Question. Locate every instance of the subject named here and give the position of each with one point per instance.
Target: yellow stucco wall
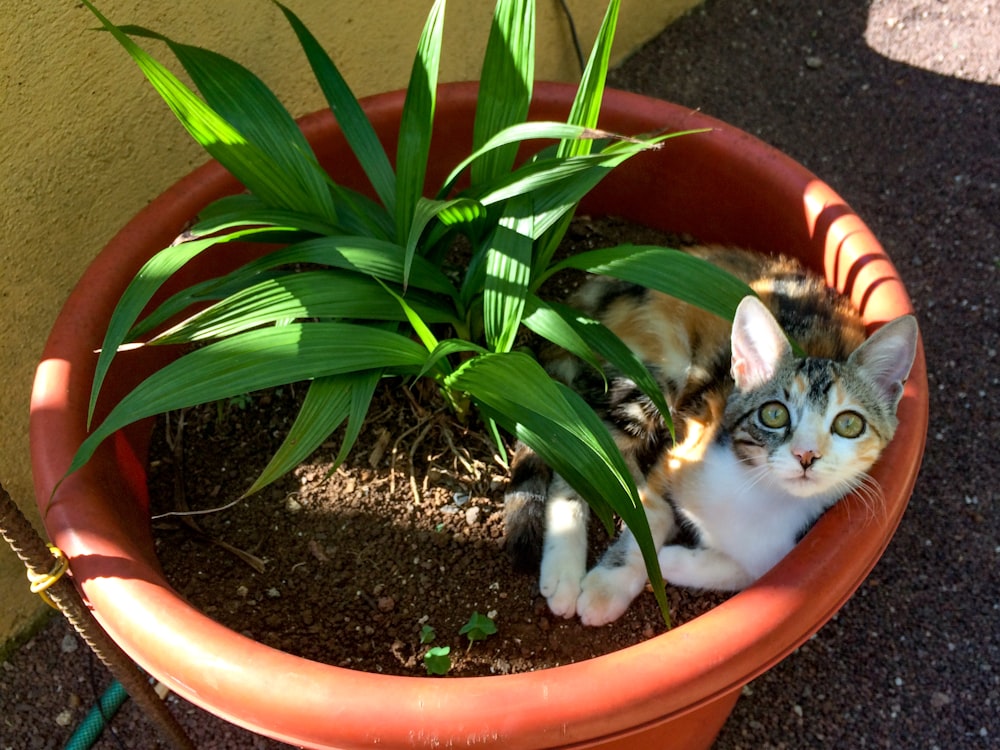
(85, 143)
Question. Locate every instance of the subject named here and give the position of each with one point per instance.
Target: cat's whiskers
(755, 475)
(865, 491)
(869, 492)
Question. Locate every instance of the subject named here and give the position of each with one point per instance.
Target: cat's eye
(849, 424)
(773, 414)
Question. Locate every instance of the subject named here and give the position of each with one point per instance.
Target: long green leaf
(203, 292)
(298, 296)
(417, 121)
(505, 83)
(247, 161)
(575, 440)
(590, 93)
(141, 289)
(255, 360)
(508, 274)
(573, 176)
(672, 272)
(243, 100)
(531, 179)
(559, 425)
(374, 257)
(512, 136)
(585, 111)
(354, 123)
(246, 210)
(541, 318)
(584, 336)
(328, 402)
(417, 323)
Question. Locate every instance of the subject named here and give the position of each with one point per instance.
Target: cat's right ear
(759, 345)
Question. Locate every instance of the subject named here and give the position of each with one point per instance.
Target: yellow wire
(40, 582)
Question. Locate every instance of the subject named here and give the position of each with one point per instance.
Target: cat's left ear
(758, 343)
(887, 356)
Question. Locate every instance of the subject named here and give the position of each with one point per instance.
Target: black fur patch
(613, 289)
(524, 509)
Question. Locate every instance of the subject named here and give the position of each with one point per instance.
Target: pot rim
(672, 673)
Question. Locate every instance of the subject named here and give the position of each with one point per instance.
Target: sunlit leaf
(514, 390)
(590, 93)
(245, 102)
(508, 274)
(247, 210)
(298, 296)
(141, 289)
(417, 121)
(354, 123)
(252, 361)
(554, 421)
(505, 83)
(329, 401)
(672, 272)
(588, 338)
(248, 162)
(559, 425)
(512, 136)
(377, 258)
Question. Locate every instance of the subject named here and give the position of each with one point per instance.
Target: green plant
(381, 296)
(427, 635)
(478, 628)
(437, 660)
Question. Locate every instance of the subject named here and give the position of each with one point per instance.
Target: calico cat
(765, 441)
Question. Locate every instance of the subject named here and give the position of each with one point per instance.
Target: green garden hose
(47, 579)
(93, 724)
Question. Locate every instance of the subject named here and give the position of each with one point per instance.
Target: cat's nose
(806, 457)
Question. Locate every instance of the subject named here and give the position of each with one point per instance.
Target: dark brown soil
(353, 563)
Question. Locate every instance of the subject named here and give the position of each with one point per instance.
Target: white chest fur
(744, 511)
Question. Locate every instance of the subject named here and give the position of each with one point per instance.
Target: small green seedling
(437, 661)
(427, 635)
(478, 628)
(223, 407)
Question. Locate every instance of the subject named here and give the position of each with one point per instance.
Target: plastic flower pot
(674, 690)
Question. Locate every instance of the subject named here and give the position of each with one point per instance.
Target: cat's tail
(524, 509)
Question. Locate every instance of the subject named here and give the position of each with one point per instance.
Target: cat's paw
(702, 569)
(560, 585)
(606, 594)
(675, 563)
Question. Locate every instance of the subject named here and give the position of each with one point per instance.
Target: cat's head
(816, 424)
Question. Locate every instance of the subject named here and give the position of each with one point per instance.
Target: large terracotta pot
(674, 690)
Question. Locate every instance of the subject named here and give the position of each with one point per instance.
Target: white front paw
(559, 583)
(607, 592)
(675, 562)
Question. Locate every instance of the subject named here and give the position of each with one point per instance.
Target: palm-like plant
(378, 301)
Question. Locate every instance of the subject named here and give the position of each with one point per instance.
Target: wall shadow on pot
(855, 262)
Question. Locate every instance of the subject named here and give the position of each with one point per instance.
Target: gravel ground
(895, 104)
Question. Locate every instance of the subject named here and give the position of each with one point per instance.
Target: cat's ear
(887, 356)
(759, 344)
